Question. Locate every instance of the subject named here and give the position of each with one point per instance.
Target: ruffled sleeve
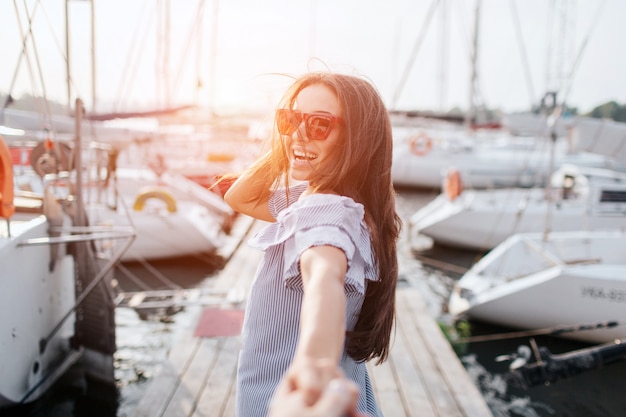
(320, 220)
(281, 198)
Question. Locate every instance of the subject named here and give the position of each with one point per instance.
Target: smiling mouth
(304, 156)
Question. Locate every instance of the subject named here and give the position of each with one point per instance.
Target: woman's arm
(322, 320)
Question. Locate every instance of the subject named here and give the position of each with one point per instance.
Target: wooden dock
(422, 377)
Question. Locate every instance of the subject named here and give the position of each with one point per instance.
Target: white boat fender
(149, 192)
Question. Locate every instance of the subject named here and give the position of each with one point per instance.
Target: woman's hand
(310, 376)
(338, 399)
(248, 193)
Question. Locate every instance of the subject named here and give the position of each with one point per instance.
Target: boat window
(613, 196)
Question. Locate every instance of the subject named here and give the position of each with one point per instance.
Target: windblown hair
(361, 170)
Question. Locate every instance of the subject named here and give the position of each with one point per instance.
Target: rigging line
(21, 55)
(570, 77)
(134, 278)
(475, 80)
(56, 41)
(47, 112)
(195, 28)
(523, 52)
(198, 85)
(126, 81)
(446, 266)
(157, 274)
(414, 52)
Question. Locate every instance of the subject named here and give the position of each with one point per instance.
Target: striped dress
(271, 325)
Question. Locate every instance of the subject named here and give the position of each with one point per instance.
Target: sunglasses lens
(287, 121)
(318, 127)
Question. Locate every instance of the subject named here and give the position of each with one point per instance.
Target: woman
(323, 299)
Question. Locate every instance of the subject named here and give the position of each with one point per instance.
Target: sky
(239, 55)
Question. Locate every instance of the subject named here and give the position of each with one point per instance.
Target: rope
(523, 53)
(25, 37)
(550, 331)
(414, 52)
(580, 53)
(21, 55)
(441, 264)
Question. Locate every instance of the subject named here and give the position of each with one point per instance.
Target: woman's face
(307, 156)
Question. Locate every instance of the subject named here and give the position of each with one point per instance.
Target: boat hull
(482, 219)
(520, 286)
(483, 160)
(37, 292)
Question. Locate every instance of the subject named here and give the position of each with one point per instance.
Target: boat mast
(443, 57)
(92, 17)
(68, 64)
(213, 59)
(68, 80)
(471, 111)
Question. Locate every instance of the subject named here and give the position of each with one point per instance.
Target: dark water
(143, 341)
(599, 392)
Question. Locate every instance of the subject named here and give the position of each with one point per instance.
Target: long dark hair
(361, 170)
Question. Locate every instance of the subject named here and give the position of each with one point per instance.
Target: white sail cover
(601, 136)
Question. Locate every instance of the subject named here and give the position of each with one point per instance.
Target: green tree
(610, 110)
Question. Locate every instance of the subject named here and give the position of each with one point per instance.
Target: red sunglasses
(317, 125)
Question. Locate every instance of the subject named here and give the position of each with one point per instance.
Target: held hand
(338, 399)
(310, 376)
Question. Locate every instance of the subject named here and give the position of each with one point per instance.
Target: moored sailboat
(538, 281)
(56, 298)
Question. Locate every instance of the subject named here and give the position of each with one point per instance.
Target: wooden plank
(442, 360)
(229, 411)
(219, 384)
(443, 403)
(411, 385)
(459, 381)
(388, 396)
(183, 402)
(161, 389)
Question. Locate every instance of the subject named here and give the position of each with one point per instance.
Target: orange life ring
(149, 192)
(220, 157)
(7, 208)
(453, 186)
(420, 144)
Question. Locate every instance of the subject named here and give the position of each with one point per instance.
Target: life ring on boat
(420, 144)
(7, 208)
(50, 157)
(149, 192)
(453, 186)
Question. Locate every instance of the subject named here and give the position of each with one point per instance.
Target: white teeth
(304, 155)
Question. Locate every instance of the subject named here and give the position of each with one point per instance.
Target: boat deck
(422, 377)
